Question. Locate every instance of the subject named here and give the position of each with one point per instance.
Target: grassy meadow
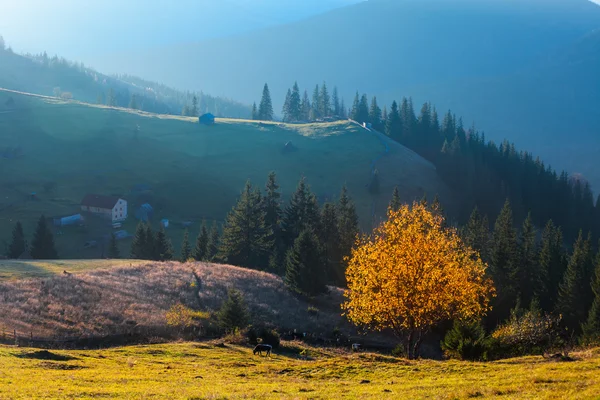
(217, 370)
(16, 269)
(186, 171)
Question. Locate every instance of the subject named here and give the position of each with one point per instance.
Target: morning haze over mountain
(281, 198)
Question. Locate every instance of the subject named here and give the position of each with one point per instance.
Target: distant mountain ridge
(508, 65)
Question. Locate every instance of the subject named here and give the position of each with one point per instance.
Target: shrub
(399, 351)
(312, 310)
(183, 317)
(527, 333)
(466, 341)
(233, 313)
(270, 336)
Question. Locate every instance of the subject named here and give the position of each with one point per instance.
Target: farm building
(207, 119)
(109, 207)
(68, 220)
(144, 213)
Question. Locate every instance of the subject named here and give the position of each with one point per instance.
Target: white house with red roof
(110, 207)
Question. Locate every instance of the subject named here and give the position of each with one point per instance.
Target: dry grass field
(216, 370)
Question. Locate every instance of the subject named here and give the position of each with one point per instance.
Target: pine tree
(113, 248)
(304, 266)
(195, 112)
(363, 109)
(272, 206)
(233, 314)
(476, 234)
(503, 256)
(553, 263)
(18, 244)
(201, 247)
(343, 112)
(265, 109)
(133, 102)
(375, 114)
(246, 239)
(138, 243)
(295, 106)
(573, 301)
(325, 104)
(305, 107)
(336, 103)
(163, 246)
(591, 328)
(112, 99)
(393, 125)
(213, 243)
(150, 250)
(348, 225)
(186, 250)
(355, 108)
(315, 111)
(101, 99)
(301, 213)
(42, 245)
(329, 237)
(286, 107)
(254, 114)
(395, 203)
(527, 274)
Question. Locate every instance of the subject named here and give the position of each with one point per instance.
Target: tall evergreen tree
(186, 250)
(355, 108)
(138, 243)
(133, 102)
(553, 263)
(201, 247)
(476, 234)
(112, 98)
(343, 112)
(163, 246)
(234, 312)
(42, 245)
(304, 266)
(395, 203)
(363, 109)
(573, 301)
(246, 239)
(315, 112)
(254, 114)
(272, 206)
(335, 99)
(214, 239)
(325, 106)
(329, 237)
(527, 274)
(503, 256)
(18, 244)
(265, 109)
(301, 213)
(113, 247)
(348, 225)
(591, 328)
(150, 250)
(375, 114)
(295, 104)
(393, 125)
(195, 112)
(305, 107)
(286, 107)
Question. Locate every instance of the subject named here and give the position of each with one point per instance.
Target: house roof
(99, 201)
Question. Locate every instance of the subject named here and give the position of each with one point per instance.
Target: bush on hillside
(263, 335)
(234, 312)
(466, 341)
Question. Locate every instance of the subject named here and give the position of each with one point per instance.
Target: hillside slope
(492, 62)
(186, 171)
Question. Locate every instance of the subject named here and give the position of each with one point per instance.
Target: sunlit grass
(14, 269)
(205, 370)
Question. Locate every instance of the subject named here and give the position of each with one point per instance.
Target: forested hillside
(54, 76)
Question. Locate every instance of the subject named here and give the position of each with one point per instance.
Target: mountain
(510, 66)
(62, 150)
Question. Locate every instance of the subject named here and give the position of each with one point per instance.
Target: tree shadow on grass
(45, 355)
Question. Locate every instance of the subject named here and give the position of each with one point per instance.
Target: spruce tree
(163, 246)
(553, 263)
(265, 109)
(286, 107)
(476, 234)
(301, 213)
(186, 250)
(393, 125)
(254, 114)
(295, 104)
(195, 112)
(213, 243)
(343, 112)
(591, 328)
(395, 203)
(112, 99)
(325, 102)
(355, 108)
(150, 250)
(42, 245)
(305, 107)
(138, 243)
(18, 244)
(329, 237)
(233, 314)
(272, 206)
(503, 256)
(133, 102)
(363, 109)
(348, 225)
(246, 240)
(375, 114)
(528, 275)
(113, 247)
(573, 301)
(304, 266)
(315, 111)
(336, 103)
(201, 247)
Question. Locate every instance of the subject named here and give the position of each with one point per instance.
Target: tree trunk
(409, 347)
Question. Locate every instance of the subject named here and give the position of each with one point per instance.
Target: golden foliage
(413, 273)
(184, 317)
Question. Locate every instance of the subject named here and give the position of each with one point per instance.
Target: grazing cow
(263, 347)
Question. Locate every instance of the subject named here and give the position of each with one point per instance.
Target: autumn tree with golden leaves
(413, 273)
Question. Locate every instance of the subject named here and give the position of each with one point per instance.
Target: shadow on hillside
(46, 355)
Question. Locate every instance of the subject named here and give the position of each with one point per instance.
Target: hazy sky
(78, 28)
